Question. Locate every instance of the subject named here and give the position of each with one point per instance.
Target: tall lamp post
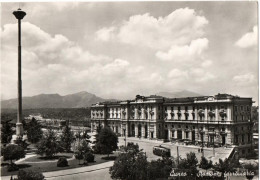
(19, 14)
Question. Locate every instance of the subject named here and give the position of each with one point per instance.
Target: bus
(161, 151)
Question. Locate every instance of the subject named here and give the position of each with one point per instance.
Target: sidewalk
(56, 174)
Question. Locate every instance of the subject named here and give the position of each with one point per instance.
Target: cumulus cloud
(178, 28)
(52, 62)
(186, 52)
(105, 34)
(249, 39)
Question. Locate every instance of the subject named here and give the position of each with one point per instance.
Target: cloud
(249, 39)
(178, 28)
(105, 34)
(244, 79)
(176, 73)
(186, 52)
(52, 63)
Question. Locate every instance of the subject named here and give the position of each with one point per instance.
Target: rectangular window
(236, 139)
(247, 108)
(172, 108)
(243, 140)
(173, 134)
(241, 108)
(235, 108)
(242, 117)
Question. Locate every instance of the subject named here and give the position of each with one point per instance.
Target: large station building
(223, 119)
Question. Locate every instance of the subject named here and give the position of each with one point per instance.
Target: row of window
(243, 138)
(211, 108)
(242, 108)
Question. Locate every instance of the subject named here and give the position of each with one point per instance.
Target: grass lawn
(37, 163)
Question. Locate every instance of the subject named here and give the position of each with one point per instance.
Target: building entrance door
(133, 130)
(165, 134)
(151, 135)
(146, 131)
(193, 136)
(139, 130)
(179, 134)
(223, 140)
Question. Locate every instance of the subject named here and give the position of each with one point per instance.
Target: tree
(6, 132)
(81, 150)
(251, 169)
(205, 164)
(29, 175)
(188, 165)
(130, 165)
(66, 138)
(106, 141)
(34, 131)
(49, 144)
(13, 152)
(224, 166)
(161, 168)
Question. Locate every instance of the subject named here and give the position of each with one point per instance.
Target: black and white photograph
(129, 90)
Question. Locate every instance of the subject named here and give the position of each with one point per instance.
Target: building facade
(222, 120)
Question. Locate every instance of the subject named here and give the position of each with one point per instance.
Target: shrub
(62, 162)
(13, 152)
(89, 157)
(12, 167)
(29, 175)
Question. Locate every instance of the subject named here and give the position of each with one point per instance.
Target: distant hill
(178, 94)
(77, 100)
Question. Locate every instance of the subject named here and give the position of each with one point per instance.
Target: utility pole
(19, 14)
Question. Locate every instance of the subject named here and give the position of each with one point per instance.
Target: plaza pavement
(101, 171)
(147, 145)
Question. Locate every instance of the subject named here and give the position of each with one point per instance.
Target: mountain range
(77, 100)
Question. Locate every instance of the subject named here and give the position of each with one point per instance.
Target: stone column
(228, 113)
(206, 113)
(136, 130)
(196, 113)
(155, 113)
(169, 134)
(155, 131)
(127, 130)
(143, 131)
(121, 130)
(216, 113)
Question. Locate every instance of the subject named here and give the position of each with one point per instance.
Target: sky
(120, 49)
